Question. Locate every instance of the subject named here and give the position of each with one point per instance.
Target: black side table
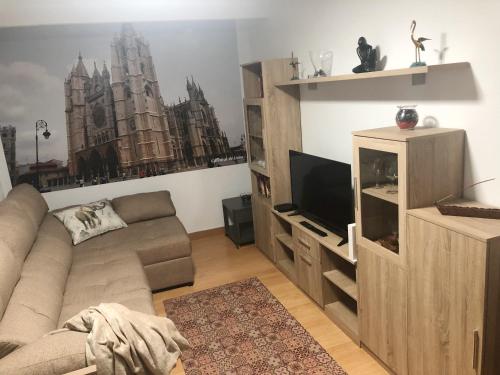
(238, 220)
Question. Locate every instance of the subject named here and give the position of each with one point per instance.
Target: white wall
(461, 99)
(196, 194)
(5, 184)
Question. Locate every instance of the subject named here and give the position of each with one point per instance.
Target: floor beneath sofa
(219, 262)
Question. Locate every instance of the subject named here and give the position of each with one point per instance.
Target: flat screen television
(322, 191)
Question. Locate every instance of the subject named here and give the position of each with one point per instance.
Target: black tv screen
(322, 191)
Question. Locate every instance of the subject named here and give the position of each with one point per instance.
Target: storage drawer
(309, 276)
(305, 244)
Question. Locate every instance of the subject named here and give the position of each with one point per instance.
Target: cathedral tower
(74, 92)
(142, 125)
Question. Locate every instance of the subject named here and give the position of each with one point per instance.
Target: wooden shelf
(257, 168)
(256, 136)
(382, 194)
(343, 282)
(287, 266)
(285, 239)
(330, 242)
(344, 317)
(378, 74)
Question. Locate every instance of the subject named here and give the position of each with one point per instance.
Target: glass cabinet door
(256, 139)
(380, 194)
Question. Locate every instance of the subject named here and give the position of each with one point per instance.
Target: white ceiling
(53, 12)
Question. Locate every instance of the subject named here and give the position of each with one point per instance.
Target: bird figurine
(419, 45)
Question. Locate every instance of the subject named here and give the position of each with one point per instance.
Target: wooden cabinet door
(261, 226)
(382, 308)
(309, 276)
(446, 286)
(308, 264)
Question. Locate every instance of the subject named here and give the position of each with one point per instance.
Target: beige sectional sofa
(44, 279)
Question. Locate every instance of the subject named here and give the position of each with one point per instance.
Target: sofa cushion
(52, 227)
(57, 353)
(154, 241)
(144, 206)
(89, 220)
(17, 230)
(35, 304)
(109, 275)
(10, 272)
(28, 199)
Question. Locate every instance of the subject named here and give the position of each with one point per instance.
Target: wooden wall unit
(272, 118)
(429, 166)
(425, 304)
(453, 294)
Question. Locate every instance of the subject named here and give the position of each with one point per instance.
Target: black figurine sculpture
(368, 56)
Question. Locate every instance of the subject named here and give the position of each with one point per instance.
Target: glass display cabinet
(257, 146)
(380, 179)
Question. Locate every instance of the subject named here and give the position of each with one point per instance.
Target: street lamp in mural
(40, 125)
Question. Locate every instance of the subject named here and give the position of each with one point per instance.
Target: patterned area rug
(242, 329)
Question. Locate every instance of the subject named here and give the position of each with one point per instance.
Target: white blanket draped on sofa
(122, 342)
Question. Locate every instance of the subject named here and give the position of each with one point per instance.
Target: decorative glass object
(322, 62)
(407, 116)
(377, 166)
(391, 173)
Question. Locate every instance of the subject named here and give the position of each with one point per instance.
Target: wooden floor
(218, 262)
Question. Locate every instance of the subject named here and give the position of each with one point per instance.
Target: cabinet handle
(308, 261)
(304, 243)
(355, 193)
(475, 358)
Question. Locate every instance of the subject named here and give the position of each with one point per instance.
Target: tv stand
(312, 228)
(319, 264)
(295, 213)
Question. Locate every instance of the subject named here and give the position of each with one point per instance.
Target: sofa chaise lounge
(45, 280)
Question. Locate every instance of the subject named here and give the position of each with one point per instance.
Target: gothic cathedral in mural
(118, 125)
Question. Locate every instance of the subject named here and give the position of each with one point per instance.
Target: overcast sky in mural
(34, 61)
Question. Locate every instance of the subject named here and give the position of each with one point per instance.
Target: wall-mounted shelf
(379, 74)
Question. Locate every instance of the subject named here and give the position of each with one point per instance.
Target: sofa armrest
(91, 370)
(56, 353)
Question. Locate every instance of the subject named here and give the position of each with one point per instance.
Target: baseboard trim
(206, 233)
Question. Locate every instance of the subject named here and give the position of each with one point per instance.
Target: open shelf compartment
(340, 292)
(344, 316)
(252, 80)
(343, 282)
(261, 185)
(284, 249)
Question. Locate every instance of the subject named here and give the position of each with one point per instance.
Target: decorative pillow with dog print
(89, 220)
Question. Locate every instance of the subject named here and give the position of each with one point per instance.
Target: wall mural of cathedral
(118, 125)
